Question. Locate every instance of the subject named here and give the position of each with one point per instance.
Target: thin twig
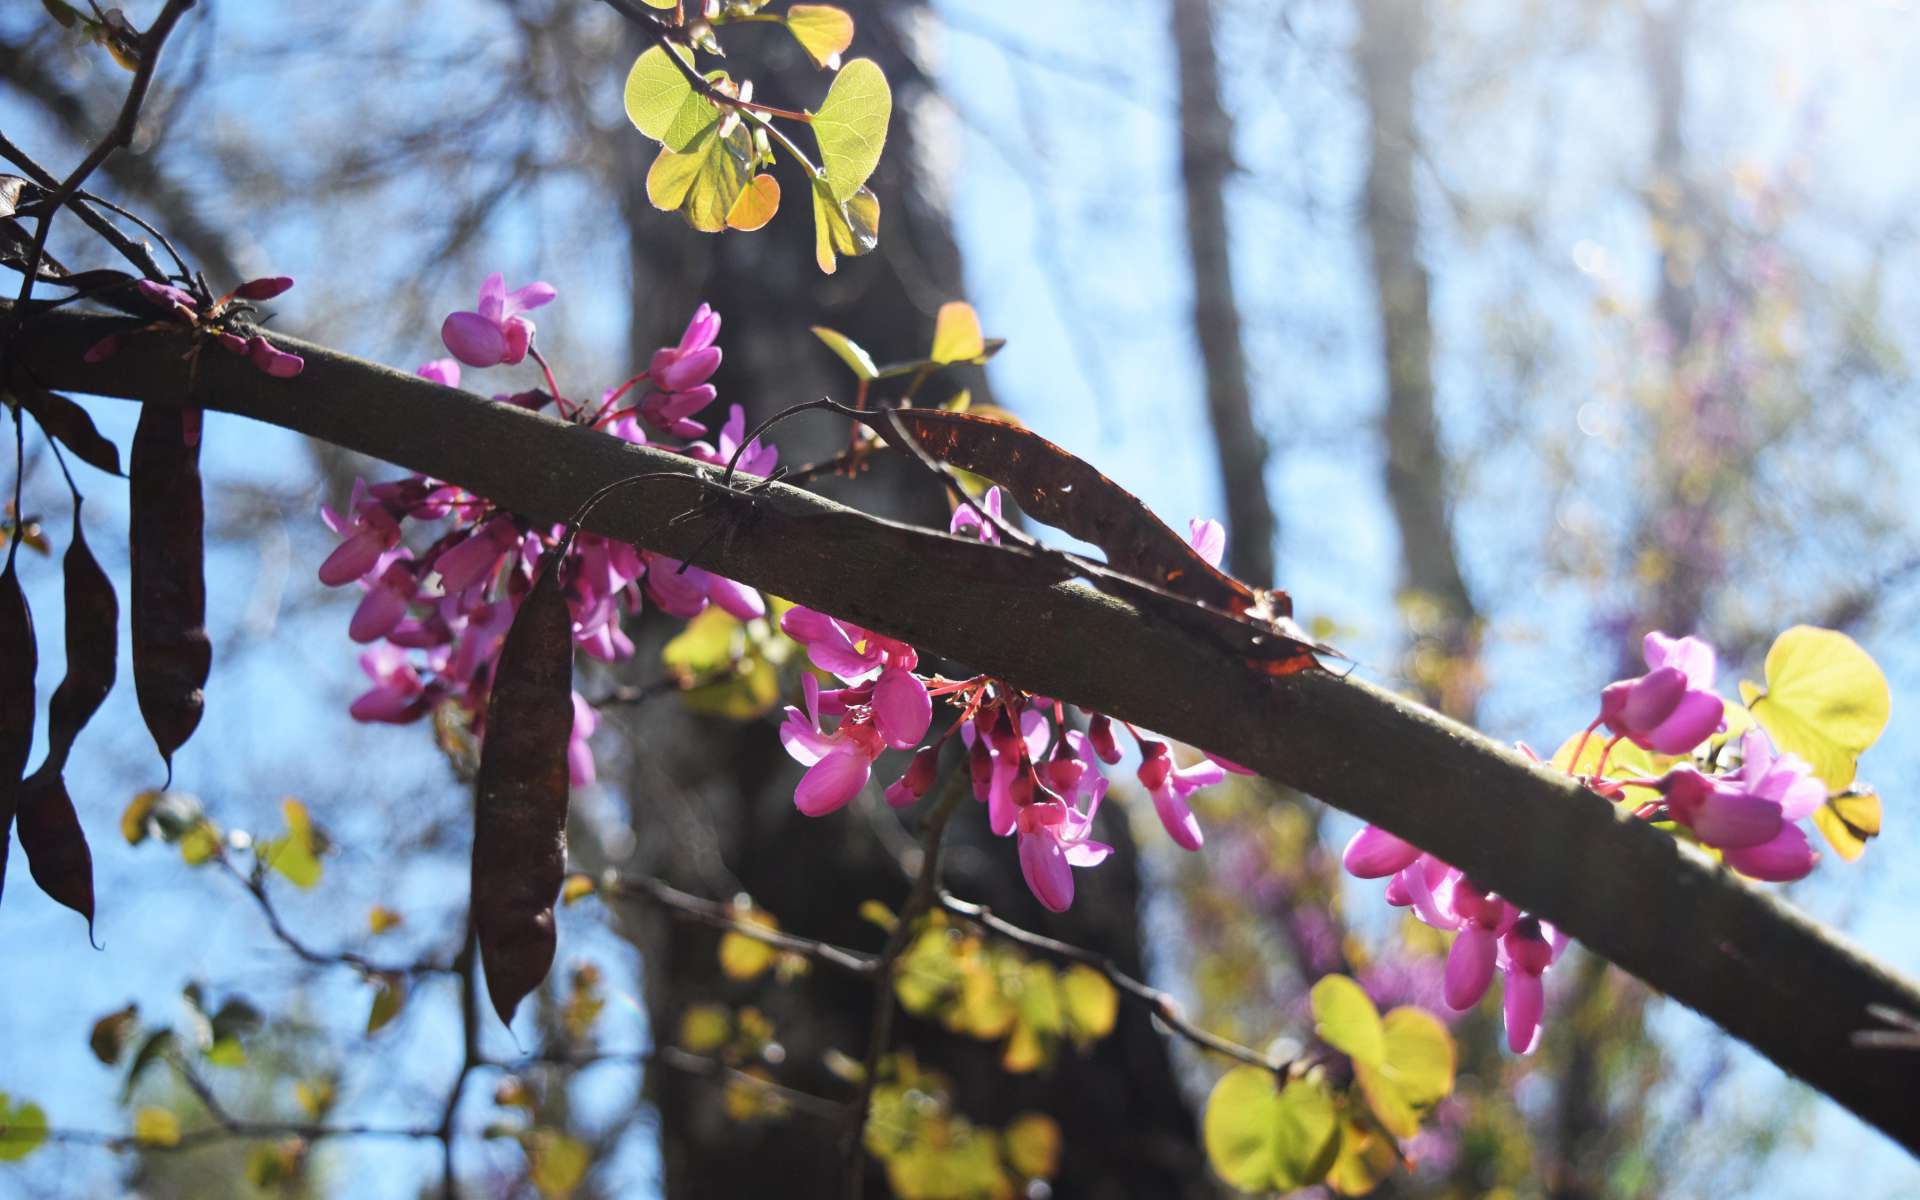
(1158, 1002)
(257, 888)
(926, 893)
(726, 916)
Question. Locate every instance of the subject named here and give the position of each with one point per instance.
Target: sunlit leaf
(577, 888)
(133, 819)
(851, 228)
(756, 204)
(227, 1052)
(1826, 700)
(1389, 1104)
(381, 919)
(1419, 1055)
(822, 30)
(199, 844)
(23, 1126)
(297, 855)
(1848, 820)
(705, 179)
(850, 353)
(154, 1126)
(956, 334)
(314, 1096)
(1363, 1160)
(851, 126)
(1033, 1145)
(1241, 1128)
(661, 102)
(1347, 1020)
(1306, 1137)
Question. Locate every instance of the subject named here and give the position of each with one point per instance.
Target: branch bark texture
(1768, 974)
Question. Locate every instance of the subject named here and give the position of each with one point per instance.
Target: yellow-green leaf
(743, 957)
(1363, 1160)
(851, 126)
(1241, 1128)
(381, 919)
(296, 855)
(1848, 820)
(200, 844)
(822, 30)
(1033, 1145)
(1419, 1055)
(133, 820)
(661, 102)
(750, 690)
(389, 995)
(577, 888)
(757, 203)
(705, 179)
(556, 1163)
(1307, 1134)
(848, 351)
(314, 1096)
(227, 1052)
(1346, 1020)
(1389, 1104)
(956, 334)
(1091, 1003)
(1825, 700)
(156, 1127)
(705, 1028)
(23, 1126)
(851, 228)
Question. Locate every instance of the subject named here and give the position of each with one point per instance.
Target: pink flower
(1375, 854)
(494, 332)
(680, 374)
(756, 459)
(854, 654)
(1672, 708)
(369, 532)
(1527, 949)
(1170, 788)
(1052, 837)
(579, 754)
(968, 519)
(1208, 538)
(443, 371)
(838, 763)
(398, 694)
(264, 288)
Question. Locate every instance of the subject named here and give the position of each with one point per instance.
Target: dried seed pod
(19, 660)
(171, 653)
(61, 418)
(56, 847)
(520, 795)
(93, 622)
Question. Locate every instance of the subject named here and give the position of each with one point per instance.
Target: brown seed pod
(93, 623)
(62, 418)
(56, 847)
(171, 653)
(520, 795)
(19, 660)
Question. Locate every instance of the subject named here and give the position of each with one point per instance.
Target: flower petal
(1469, 967)
(1044, 865)
(832, 781)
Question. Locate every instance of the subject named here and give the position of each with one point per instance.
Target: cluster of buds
(1041, 780)
(435, 614)
(183, 310)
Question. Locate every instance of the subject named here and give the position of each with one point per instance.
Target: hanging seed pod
(93, 623)
(56, 847)
(19, 659)
(520, 795)
(61, 418)
(171, 653)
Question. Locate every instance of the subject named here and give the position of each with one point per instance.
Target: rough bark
(1206, 163)
(1768, 974)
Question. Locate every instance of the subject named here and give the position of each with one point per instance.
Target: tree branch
(1771, 976)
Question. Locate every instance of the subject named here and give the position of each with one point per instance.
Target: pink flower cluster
(435, 615)
(1041, 781)
(1748, 814)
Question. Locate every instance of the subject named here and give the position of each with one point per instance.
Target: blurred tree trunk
(712, 802)
(1206, 162)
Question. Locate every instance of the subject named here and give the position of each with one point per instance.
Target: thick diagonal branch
(1794, 990)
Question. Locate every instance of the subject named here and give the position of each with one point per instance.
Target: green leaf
(710, 641)
(851, 126)
(1826, 701)
(850, 353)
(852, 228)
(1307, 1134)
(661, 102)
(1389, 1104)
(23, 1126)
(1092, 1004)
(743, 957)
(705, 180)
(956, 334)
(705, 1028)
(1346, 1020)
(1241, 1128)
(822, 30)
(227, 1052)
(1419, 1056)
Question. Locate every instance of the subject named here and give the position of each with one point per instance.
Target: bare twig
(257, 888)
(725, 916)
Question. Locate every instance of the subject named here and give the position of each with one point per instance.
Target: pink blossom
(369, 531)
(494, 332)
(1208, 539)
(680, 374)
(579, 754)
(398, 694)
(838, 763)
(969, 519)
(443, 371)
(1052, 839)
(1170, 787)
(1672, 708)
